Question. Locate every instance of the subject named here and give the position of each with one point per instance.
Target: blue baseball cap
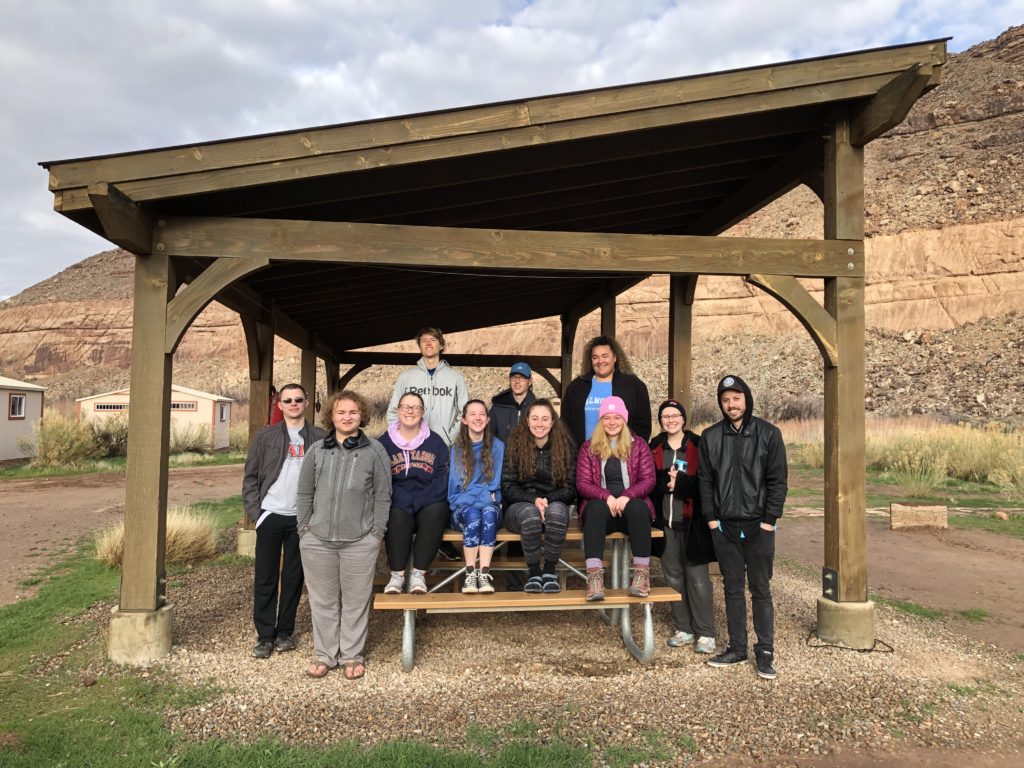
(521, 369)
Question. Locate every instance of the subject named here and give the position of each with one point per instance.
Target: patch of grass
(117, 464)
(522, 729)
(908, 607)
(1014, 526)
(656, 745)
(686, 742)
(479, 737)
(977, 615)
(191, 536)
(622, 756)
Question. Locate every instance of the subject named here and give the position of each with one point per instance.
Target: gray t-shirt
(281, 498)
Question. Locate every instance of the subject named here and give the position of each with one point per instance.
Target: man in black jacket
(743, 482)
(507, 406)
(269, 490)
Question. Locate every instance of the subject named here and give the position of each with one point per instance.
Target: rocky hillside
(945, 252)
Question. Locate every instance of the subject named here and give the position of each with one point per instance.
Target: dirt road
(43, 518)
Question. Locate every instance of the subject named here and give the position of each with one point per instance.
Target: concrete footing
(247, 542)
(139, 638)
(851, 625)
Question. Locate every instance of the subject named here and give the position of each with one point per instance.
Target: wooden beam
(307, 378)
(600, 296)
(680, 338)
(124, 222)
(193, 298)
(467, 361)
(350, 374)
(143, 583)
(452, 248)
(331, 374)
(812, 316)
(890, 105)
(259, 343)
(608, 315)
(569, 324)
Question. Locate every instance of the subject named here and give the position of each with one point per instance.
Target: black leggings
(428, 524)
(598, 522)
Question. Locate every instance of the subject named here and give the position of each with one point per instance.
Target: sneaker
(640, 585)
(534, 584)
(551, 583)
(705, 645)
(765, 667)
(680, 639)
(263, 650)
(397, 583)
(284, 642)
(595, 584)
(418, 583)
(727, 658)
(485, 581)
(472, 583)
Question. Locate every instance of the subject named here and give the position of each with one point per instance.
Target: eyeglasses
(296, 400)
(410, 408)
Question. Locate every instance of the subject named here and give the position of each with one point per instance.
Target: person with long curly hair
(538, 484)
(474, 494)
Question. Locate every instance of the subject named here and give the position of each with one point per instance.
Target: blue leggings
(479, 525)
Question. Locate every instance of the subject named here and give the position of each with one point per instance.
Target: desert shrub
(191, 536)
(111, 435)
(190, 438)
(58, 441)
(238, 437)
(703, 411)
(811, 454)
(920, 469)
(797, 408)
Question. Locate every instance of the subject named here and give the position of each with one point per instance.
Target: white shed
(23, 407)
(189, 408)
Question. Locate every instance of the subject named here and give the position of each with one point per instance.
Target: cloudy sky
(89, 77)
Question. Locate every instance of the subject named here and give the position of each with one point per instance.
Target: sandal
(354, 670)
(317, 669)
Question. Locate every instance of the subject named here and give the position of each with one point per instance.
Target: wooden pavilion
(502, 212)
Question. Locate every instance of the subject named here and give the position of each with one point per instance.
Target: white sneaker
(418, 583)
(705, 645)
(485, 582)
(680, 639)
(396, 585)
(472, 584)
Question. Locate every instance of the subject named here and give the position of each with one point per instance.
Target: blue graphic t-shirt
(599, 390)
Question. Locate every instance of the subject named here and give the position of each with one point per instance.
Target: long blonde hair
(601, 446)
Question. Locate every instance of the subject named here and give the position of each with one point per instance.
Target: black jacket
(515, 488)
(699, 547)
(629, 387)
(505, 412)
(743, 474)
(266, 456)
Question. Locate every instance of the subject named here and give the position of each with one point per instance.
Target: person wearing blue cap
(508, 406)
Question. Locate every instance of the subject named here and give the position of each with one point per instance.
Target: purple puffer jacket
(640, 467)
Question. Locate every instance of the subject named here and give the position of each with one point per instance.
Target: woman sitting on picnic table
(474, 494)
(538, 483)
(340, 525)
(614, 477)
(419, 494)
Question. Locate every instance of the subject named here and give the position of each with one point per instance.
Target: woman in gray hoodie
(344, 498)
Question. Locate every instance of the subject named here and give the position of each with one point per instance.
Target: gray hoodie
(444, 395)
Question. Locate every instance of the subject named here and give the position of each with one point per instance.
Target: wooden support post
(331, 374)
(307, 375)
(680, 338)
(845, 575)
(608, 316)
(145, 508)
(259, 342)
(569, 323)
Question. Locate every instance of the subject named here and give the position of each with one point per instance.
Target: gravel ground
(566, 676)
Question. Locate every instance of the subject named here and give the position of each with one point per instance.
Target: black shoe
(513, 581)
(284, 643)
(727, 658)
(534, 584)
(551, 583)
(263, 650)
(448, 551)
(765, 667)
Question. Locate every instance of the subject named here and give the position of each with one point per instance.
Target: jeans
(273, 617)
(747, 559)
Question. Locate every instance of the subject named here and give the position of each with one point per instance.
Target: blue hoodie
(477, 492)
(425, 481)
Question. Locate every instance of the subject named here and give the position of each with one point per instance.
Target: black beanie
(670, 403)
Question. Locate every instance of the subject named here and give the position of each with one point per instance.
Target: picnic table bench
(615, 608)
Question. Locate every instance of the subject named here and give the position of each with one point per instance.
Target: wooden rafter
(812, 316)
(124, 221)
(890, 105)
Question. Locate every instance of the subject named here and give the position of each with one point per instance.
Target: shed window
(16, 407)
(223, 412)
(110, 406)
(190, 406)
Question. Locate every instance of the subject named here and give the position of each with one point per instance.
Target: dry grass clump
(111, 435)
(191, 536)
(190, 438)
(58, 441)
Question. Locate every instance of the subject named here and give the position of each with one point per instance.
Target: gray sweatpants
(695, 612)
(339, 579)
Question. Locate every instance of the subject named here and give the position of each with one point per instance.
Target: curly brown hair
(327, 412)
(522, 450)
(621, 360)
(464, 444)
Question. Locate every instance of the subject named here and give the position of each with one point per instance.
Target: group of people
(324, 500)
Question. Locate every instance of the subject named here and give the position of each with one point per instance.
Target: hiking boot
(595, 584)
(551, 583)
(264, 649)
(534, 584)
(284, 642)
(727, 658)
(765, 665)
(679, 639)
(485, 582)
(397, 583)
(705, 645)
(640, 585)
(418, 583)
(472, 583)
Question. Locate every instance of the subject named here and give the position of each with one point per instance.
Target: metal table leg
(409, 641)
